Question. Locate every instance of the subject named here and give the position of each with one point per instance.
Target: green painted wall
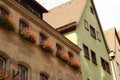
(82, 36)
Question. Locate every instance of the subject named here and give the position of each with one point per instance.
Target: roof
(39, 6)
(110, 36)
(66, 13)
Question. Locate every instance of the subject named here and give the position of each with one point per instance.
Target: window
(70, 55)
(93, 55)
(98, 36)
(92, 32)
(86, 25)
(118, 67)
(86, 51)
(92, 9)
(105, 65)
(23, 72)
(42, 37)
(43, 77)
(2, 63)
(22, 24)
(58, 47)
(3, 12)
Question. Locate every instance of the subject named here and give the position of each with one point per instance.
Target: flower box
(7, 23)
(75, 64)
(4, 75)
(46, 45)
(63, 56)
(27, 34)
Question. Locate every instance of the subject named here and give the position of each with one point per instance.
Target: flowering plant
(28, 34)
(6, 22)
(4, 75)
(63, 55)
(75, 64)
(46, 45)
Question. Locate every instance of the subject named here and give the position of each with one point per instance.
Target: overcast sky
(108, 11)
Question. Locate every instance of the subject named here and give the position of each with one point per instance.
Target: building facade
(113, 41)
(30, 49)
(83, 28)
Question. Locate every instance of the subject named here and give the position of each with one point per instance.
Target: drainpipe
(112, 56)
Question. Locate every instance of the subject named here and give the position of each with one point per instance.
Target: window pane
(2, 63)
(42, 37)
(58, 47)
(86, 25)
(92, 32)
(86, 52)
(22, 24)
(23, 72)
(105, 65)
(43, 77)
(93, 57)
(70, 55)
(3, 12)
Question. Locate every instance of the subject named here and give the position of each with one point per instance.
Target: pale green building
(78, 21)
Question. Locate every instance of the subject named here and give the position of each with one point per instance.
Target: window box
(46, 45)
(75, 64)
(4, 75)
(7, 23)
(63, 55)
(27, 34)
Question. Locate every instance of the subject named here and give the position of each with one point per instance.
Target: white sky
(108, 11)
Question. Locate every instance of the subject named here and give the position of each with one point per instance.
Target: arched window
(2, 63)
(43, 77)
(3, 12)
(22, 24)
(23, 71)
(70, 55)
(42, 37)
(58, 47)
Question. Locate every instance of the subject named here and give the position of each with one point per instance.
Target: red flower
(75, 64)
(46, 45)
(28, 34)
(63, 55)
(5, 75)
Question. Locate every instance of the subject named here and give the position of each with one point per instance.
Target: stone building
(30, 49)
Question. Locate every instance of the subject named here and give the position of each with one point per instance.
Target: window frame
(86, 25)
(105, 65)
(86, 51)
(70, 55)
(23, 24)
(92, 10)
(92, 32)
(42, 37)
(93, 56)
(20, 69)
(3, 12)
(43, 76)
(98, 36)
(3, 60)
(59, 47)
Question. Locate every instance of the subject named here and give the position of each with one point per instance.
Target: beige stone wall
(20, 51)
